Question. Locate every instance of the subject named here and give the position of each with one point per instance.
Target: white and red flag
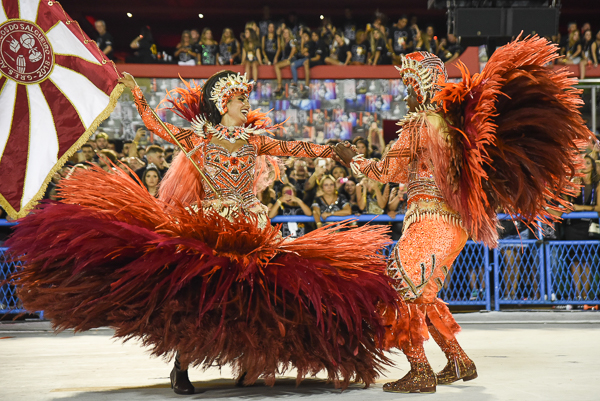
(56, 87)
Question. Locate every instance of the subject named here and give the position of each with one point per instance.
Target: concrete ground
(519, 356)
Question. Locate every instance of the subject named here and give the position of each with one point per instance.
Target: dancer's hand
(345, 153)
(128, 80)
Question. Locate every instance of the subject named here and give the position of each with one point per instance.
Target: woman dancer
(455, 151)
(200, 271)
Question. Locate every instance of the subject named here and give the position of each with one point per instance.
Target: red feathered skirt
(217, 292)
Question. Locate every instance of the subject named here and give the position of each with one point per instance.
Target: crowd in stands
(289, 42)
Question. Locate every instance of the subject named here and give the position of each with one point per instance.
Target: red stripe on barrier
(67, 121)
(14, 158)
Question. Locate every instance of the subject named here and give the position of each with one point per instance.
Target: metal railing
(522, 272)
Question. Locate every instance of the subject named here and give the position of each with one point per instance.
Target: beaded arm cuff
(392, 168)
(184, 136)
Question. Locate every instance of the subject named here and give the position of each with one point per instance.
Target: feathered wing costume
(198, 272)
(507, 138)
(515, 137)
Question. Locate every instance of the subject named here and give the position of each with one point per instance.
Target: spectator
(449, 49)
(229, 48)
(270, 46)
(586, 52)
(141, 151)
(127, 144)
(370, 198)
(348, 190)
(101, 141)
(288, 50)
(360, 49)
(327, 31)
(427, 41)
(104, 39)
(263, 25)
(572, 50)
(363, 147)
(339, 53)
(350, 27)
(184, 52)
(317, 54)
(311, 185)
(379, 51)
(290, 205)
(151, 178)
(194, 36)
(299, 176)
(400, 40)
(145, 49)
(251, 53)
(155, 155)
(579, 229)
(595, 50)
(330, 203)
(306, 49)
(107, 159)
(209, 48)
(87, 154)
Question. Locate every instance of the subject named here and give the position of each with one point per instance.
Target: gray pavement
(519, 356)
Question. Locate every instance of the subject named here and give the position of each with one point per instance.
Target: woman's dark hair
(343, 190)
(595, 178)
(360, 139)
(150, 168)
(208, 106)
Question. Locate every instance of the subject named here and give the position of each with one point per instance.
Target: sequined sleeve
(184, 136)
(272, 147)
(392, 168)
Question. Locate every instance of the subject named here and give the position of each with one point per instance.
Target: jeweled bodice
(231, 174)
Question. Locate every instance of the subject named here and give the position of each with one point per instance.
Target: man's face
(100, 27)
(101, 143)
(402, 23)
(88, 153)
(157, 158)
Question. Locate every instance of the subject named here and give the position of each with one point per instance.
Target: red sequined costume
(456, 155)
(215, 283)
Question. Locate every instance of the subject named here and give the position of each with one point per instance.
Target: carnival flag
(56, 87)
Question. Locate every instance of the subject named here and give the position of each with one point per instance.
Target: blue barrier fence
(523, 272)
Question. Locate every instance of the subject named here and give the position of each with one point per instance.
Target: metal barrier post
(496, 281)
(548, 268)
(488, 294)
(542, 271)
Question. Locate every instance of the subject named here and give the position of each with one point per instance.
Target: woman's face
(151, 179)
(247, 33)
(208, 35)
(185, 38)
(411, 99)
(328, 186)
(587, 35)
(575, 36)
(362, 148)
(237, 110)
(315, 37)
(429, 31)
(377, 34)
(350, 187)
(338, 172)
(227, 33)
(587, 165)
(271, 28)
(286, 34)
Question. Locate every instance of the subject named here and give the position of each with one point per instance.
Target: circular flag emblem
(25, 52)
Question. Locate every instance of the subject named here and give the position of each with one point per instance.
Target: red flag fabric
(56, 87)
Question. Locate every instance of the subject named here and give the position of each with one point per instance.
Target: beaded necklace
(230, 134)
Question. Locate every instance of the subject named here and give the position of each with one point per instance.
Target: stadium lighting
(129, 15)
(322, 17)
(201, 15)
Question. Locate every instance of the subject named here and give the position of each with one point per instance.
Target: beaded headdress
(425, 72)
(228, 87)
